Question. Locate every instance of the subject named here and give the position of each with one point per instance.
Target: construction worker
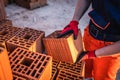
(101, 37)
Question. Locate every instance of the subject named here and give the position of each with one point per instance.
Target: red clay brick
(77, 68)
(29, 39)
(31, 65)
(54, 73)
(66, 75)
(5, 22)
(55, 63)
(63, 49)
(31, 4)
(5, 69)
(16, 77)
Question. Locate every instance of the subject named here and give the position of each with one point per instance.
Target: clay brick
(5, 22)
(2, 10)
(16, 77)
(55, 63)
(31, 4)
(54, 73)
(66, 75)
(5, 69)
(31, 65)
(77, 68)
(63, 49)
(29, 39)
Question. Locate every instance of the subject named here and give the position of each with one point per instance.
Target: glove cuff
(74, 22)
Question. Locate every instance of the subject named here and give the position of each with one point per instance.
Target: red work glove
(72, 27)
(90, 54)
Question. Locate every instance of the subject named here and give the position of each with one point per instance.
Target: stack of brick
(63, 49)
(67, 71)
(2, 10)
(30, 65)
(28, 39)
(7, 32)
(31, 4)
(5, 22)
(5, 69)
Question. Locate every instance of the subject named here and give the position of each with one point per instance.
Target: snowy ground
(56, 15)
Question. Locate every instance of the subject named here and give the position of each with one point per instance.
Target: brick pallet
(5, 69)
(31, 65)
(2, 10)
(28, 38)
(31, 4)
(63, 49)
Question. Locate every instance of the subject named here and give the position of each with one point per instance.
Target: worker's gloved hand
(72, 27)
(86, 55)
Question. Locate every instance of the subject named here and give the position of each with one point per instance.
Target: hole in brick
(33, 73)
(27, 36)
(16, 61)
(4, 33)
(39, 57)
(25, 69)
(47, 58)
(28, 72)
(27, 62)
(37, 75)
(38, 65)
(36, 61)
(74, 76)
(44, 63)
(32, 67)
(41, 69)
(63, 75)
(19, 70)
(71, 78)
(17, 66)
(43, 58)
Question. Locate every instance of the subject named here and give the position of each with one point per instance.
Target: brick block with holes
(66, 75)
(31, 65)
(2, 10)
(77, 68)
(29, 39)
(17, 77)
(54, 73)
(31, 4)
(63, 49)
(5, 22)
(7, 32)
(5, 69)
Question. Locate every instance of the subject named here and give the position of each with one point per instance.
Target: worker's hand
(86, 55)
(72, 27)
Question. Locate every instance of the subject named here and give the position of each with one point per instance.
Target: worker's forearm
(81, 7)
(109, 50)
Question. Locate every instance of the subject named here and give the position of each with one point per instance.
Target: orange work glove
(72, 27)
